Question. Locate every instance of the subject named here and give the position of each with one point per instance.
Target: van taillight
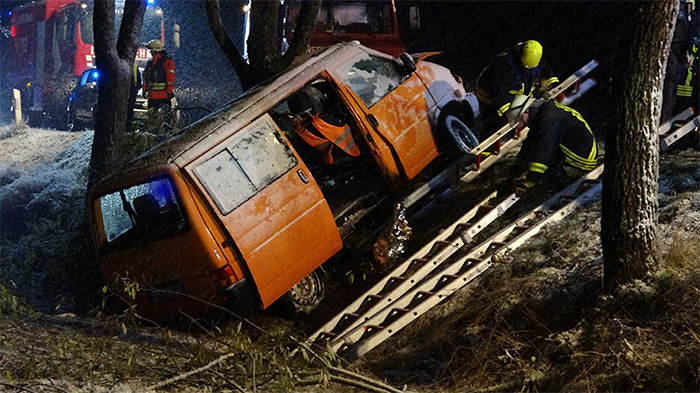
(221, 276)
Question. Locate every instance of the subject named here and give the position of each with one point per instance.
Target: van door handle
(373, 120)
(302, 176)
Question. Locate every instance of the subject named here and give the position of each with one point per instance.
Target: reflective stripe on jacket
(159, 77)
(331, 135)
(558, 136)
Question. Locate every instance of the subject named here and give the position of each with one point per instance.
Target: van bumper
(240, 297)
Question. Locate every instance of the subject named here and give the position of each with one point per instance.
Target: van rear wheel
(308, 294)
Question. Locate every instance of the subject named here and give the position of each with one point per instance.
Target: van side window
(142, 207)
(371, 77)
(253, 159)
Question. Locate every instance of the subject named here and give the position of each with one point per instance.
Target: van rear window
(254, 158)
(143, 212)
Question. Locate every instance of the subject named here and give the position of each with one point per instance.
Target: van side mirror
(408, 64)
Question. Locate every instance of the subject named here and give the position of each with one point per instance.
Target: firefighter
(159, 78)
(686, 91)
(560, 145)
(517, 71)
(673, 87)
(136, 83)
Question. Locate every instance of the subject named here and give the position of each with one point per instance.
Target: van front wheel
(461, 135)
(306, 296)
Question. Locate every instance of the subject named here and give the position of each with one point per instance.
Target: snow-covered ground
(43, 175)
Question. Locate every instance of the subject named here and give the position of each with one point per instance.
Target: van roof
(198, 138)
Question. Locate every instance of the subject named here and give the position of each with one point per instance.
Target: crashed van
(241, 208)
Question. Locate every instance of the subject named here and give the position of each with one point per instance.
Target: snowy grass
(42, 209)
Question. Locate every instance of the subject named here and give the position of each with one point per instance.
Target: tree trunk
(114, 59)
(630, 181)
(264, 51)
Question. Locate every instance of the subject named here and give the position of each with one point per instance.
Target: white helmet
(519, 105)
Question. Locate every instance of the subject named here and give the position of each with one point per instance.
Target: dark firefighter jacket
(159, 77)
(690, 71)
(558, 138)
(506, 77)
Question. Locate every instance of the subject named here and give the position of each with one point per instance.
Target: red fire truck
(51, 46)
(371, 22)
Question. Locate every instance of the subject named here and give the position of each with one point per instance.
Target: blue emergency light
(150, 2)
(95, 75)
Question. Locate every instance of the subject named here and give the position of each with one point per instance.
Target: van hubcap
(308, 293)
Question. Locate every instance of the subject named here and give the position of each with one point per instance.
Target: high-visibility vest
(331, 135)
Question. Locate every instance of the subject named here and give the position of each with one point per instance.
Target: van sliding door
(270, 204)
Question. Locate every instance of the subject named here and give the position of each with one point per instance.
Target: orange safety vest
(340, 136)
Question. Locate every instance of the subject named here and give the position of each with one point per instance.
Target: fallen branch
(192, 372)
(20, 388)
(228, 380)
(357, 384)
(365, 379)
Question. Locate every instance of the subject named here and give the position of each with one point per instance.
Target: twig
(254, 387)
(357, 384)
(366, 379)
(20, 388)
(191, 372)
(51, 385)
(235, 385)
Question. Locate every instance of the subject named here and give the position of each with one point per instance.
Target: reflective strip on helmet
(538, 167)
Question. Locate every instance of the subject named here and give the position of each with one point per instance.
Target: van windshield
(142, 213)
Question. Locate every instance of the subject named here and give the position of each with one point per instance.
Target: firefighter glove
(521, 187)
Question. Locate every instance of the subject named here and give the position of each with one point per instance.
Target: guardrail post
(17, 105)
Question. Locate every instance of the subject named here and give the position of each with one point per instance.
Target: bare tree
(115, 59)
(630, 181)
(264, 44)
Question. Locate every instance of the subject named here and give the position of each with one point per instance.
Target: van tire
(307, 295)
(462, 137)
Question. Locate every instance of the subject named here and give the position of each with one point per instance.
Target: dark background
(468, 33)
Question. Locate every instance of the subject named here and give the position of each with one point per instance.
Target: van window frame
(108, 246)
(289, 153)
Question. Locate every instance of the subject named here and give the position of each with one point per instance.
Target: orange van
(243, 206)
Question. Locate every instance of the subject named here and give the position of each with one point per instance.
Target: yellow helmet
(530, 53)
(155, 45)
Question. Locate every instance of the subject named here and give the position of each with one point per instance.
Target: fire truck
(51, 47)
(373, 23)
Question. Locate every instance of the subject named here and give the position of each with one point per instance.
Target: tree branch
(130, 29)
(231, 51)
(191, 372)
(302, 32)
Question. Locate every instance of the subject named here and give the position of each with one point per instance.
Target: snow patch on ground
(43, 179)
